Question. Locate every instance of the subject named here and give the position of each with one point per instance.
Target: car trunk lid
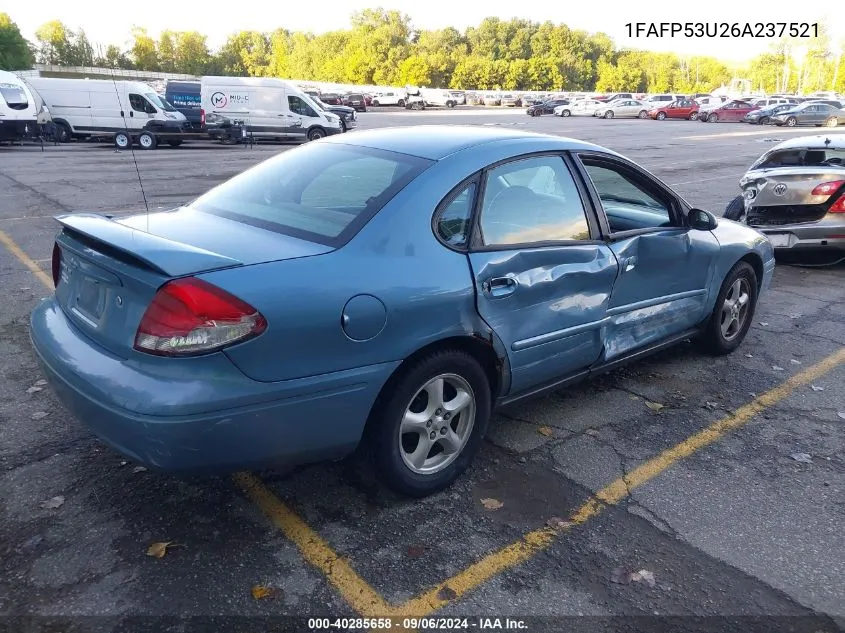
(781, 196)
(110, 270)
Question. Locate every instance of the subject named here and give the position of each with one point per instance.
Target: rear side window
(321, 192)
(453, 222)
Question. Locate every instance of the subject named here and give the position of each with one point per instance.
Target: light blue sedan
(391, 286)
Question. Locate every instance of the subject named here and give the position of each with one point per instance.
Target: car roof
(817, 141)
(435, 142)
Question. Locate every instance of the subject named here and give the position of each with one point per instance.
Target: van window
(139, 104)
(298, 106)
(321, 192)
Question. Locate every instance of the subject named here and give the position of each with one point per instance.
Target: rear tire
(733, 313)
(764, 120)
(735, 209)
(411, 393)
(693, 116)
(643, 114)
(832, 122)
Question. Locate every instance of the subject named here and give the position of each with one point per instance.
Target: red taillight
(827, 188)
(838, 206)
(57, 264)
(202, 117)
(190, 316)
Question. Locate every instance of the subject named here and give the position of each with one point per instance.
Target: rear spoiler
(168, 257)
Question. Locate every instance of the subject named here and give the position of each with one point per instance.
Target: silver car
(795, 195)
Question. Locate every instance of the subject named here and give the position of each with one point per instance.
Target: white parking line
(773, 131)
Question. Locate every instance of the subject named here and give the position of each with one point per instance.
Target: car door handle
(500, 286)
(628, 264)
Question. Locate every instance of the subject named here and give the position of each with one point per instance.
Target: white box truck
(18, 108)
(125, 111)
(269, 108)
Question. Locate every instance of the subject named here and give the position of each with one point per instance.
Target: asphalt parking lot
(723, 480)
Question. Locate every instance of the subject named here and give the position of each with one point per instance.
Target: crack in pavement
(36, 192)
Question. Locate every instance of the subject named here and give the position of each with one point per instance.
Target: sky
(105, 25)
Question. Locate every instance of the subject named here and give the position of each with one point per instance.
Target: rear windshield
(802, 158)
(321, 192)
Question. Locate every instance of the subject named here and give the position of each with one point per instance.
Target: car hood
(790, 111)
(340, 109)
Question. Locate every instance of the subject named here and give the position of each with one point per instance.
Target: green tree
(166, 51)
(114, 58)
(246, 53)
(54, 43)
(15, 51)
(143, 51)
(192, 54)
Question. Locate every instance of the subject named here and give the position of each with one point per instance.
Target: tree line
(383, 48)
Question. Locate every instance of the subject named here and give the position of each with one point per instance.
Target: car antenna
(129, 137)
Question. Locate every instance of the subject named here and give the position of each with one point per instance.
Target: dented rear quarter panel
(737, 241)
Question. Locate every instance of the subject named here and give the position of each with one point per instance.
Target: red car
(729, 111)
(681, 109)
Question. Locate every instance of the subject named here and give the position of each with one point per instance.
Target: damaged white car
(795, 195)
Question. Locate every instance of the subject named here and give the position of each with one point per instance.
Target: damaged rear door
(665, 269)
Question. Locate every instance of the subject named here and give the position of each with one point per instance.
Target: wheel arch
(483, 347)
(756, 263)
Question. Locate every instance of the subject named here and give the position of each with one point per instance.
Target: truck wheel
(316, 133)
(401, 103)
(147, 140)
(450, 104)
(122, 140)
(63, 133)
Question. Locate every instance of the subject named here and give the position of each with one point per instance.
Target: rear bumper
(201, 414)
(827, 233)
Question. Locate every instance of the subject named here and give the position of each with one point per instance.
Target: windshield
(321, 192)
(159, 102)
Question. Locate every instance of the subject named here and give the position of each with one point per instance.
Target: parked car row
(776, 111)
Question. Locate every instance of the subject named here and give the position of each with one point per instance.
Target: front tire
(735, 209)
(764, 120)
(713, 118)
(401, 103)
(733, 312)
(63, 133)
(175, 143)
(431, 422)
(661, 116)
(832, 122)
(608, 114)
(565, 113)
(791, 121)
(316, 133)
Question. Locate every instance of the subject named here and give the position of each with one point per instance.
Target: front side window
(319, 192)
(533, 200)
(628, 203)
(139, 104)
(298, 106)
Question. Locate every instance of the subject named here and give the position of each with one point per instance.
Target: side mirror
(701, 220)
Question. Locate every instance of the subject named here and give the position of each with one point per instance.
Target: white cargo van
(266, 107)
(125, 111)
(18, 107)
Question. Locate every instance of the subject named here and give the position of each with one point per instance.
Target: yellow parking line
(360, 596)
(26, 260)
(540, 539)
